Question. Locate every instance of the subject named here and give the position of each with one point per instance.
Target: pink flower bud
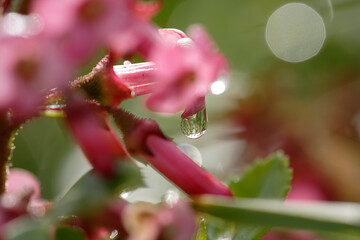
(181, 170)
(95, 137)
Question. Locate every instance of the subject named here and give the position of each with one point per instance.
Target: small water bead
(127, 62)
(192, 152)
(195, 125)
(171, 197)
(114, 234)
(125, 194)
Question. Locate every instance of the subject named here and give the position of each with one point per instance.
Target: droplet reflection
(192, 152)
(195, 125)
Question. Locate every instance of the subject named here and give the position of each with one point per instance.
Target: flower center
(186, 80)
(91, 10)
(26, 69)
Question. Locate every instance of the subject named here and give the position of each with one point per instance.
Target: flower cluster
(43, 45)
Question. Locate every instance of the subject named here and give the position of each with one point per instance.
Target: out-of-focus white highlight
(218, 87)
(15, 24)
(114, 234)
(185, 42)
(295, 32)
(171, 197)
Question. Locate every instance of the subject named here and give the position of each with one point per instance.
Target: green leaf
(201, 234)
(269, 178)
(24, 228)
(66, 233)
(92, 190)
(313, 216)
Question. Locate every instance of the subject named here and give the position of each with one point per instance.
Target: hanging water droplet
(192, 152)
(195, 125)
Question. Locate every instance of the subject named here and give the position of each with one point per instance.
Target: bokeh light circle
(295, 32)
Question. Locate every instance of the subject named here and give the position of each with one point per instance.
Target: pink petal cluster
(29, 68)
(180, 73)
(185, 71)
(22, 197)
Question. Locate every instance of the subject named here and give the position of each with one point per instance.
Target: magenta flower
(181, 72)
(138, 77)
(22, 197)
(81, 26)
(185, 71)
(29, 68)
(21, 183)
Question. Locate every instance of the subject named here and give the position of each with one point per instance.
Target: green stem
(312, 216)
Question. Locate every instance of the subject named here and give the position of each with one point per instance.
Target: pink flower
(138, 77)
(29, 68)
(145, 221)
(181, 74)
(94, 135)
(21, 183)
(81, 26)
(22, 197)
(185, 71)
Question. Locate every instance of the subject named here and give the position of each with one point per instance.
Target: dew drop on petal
(192, 152)
(127, 62)
(114, 234)
(171, 197)
(195, 125)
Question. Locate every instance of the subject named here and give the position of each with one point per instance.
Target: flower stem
(6, 147)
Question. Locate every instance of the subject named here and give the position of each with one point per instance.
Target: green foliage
(92, 190)
(201, 234)
(66, 233)
(269, 178)
(319, 216)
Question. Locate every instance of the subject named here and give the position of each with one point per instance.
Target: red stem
(181, 170)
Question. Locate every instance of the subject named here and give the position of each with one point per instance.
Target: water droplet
(125, 194)
(114, 234)
(192, 152)
(171, 197)
(195, 125)
(127, 62)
